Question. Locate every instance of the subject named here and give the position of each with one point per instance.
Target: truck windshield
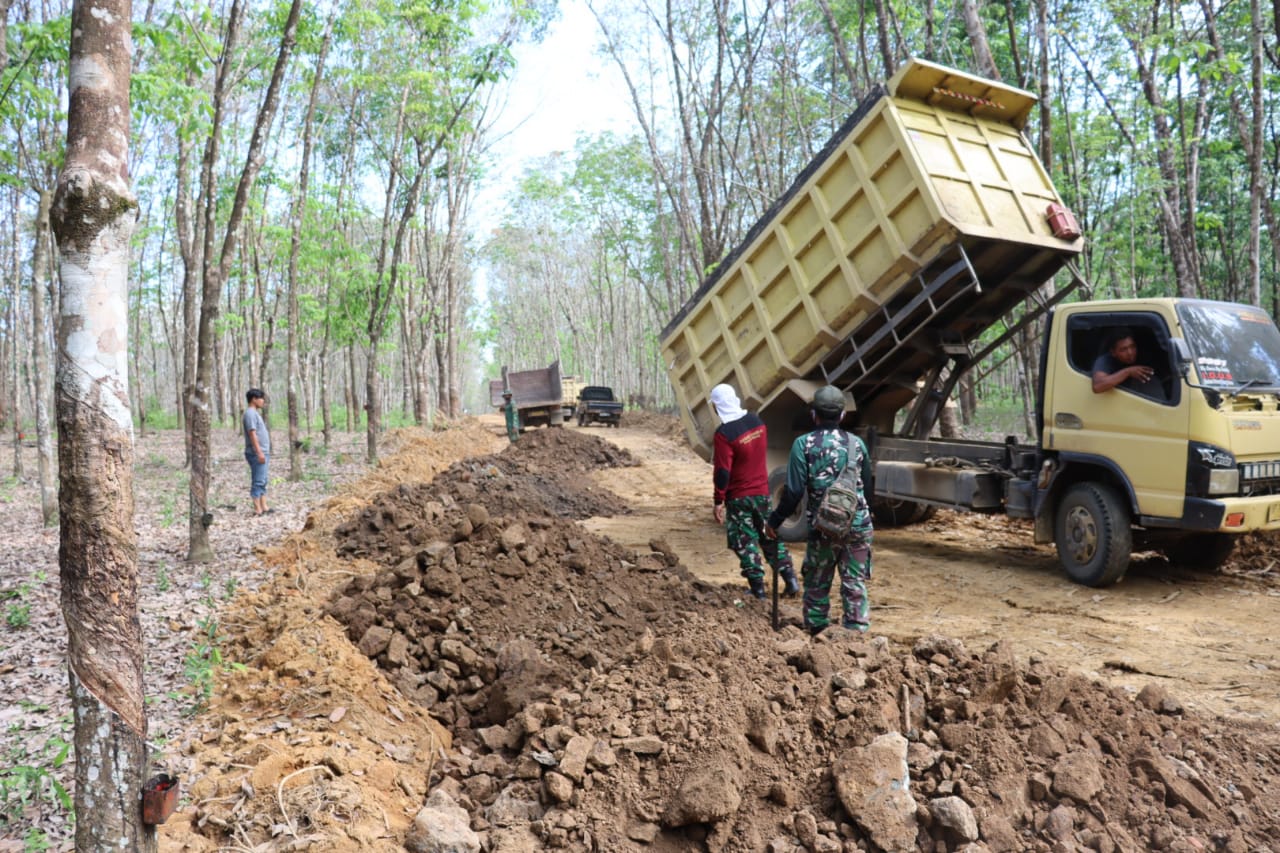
(1234, 346)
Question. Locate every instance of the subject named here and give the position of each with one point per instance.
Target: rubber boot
(792, 585)
(757, 588)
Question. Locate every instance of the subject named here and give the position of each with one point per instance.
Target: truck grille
(1260, 478)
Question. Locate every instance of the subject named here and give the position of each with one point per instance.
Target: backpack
(842, 515)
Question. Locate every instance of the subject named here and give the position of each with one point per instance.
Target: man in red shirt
(741, 490)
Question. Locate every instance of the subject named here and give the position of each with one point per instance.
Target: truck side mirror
(1183, 354)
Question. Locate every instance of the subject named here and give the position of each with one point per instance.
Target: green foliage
(29, 783)
(205, 662)
(17, 613)
(162, 578)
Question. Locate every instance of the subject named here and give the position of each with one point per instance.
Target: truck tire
(1091, 530)
(894, 512)
(1205, 552)
(795, 528)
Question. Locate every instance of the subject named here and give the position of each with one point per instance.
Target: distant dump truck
(537, 394)
(570, 388)
(925, 222)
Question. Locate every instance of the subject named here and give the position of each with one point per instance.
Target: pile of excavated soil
(667, 426)
(605, 700)
(464, 644)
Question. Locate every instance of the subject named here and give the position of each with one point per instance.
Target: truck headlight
(1224, 481)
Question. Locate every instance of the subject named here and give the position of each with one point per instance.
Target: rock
(999, 833)
(478, 515)
(460, 653)
(513, 537)
(806, 828)
(398, 649)
(1078, 776)
(558, 787)
(1045, 742)
(441, 826)
(1061, 822)
(956, 736)
(515, 840)
(956, 815)
(434, 553)
(524, 678)
(441, 581)
(706, 795)
(849, 679)
(511, 809)
(928, 647)
(762, 729)
(374, 641)
(1156, 698)
(643, 745)
(1038, 786)
(573, 763)
(601, 757)
(873, 786)
(920, 757)
(497, 738)
(642, 831)
(1177, 790)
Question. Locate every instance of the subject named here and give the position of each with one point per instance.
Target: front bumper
(1227, 515)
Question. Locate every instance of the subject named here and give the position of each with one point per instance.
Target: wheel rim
(1082, 535)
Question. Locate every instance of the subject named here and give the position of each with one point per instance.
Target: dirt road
(1209, 638)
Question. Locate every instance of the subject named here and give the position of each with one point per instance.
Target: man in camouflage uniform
(740, 483)
(512, 415)
(817, 458)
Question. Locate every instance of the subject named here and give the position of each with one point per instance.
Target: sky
(561, 89)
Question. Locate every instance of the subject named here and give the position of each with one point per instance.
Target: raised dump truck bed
(538, 394)
(921, 224)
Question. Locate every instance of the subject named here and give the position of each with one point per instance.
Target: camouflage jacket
(817, 458)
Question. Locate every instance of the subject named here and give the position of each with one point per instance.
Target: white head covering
(725, 399)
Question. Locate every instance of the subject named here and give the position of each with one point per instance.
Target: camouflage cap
(828, 399)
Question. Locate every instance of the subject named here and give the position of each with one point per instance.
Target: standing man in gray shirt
(257, 449)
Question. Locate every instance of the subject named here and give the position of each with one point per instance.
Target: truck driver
(1118, 366)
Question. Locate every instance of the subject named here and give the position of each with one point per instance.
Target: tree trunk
(216, 269)
(1046, 108)
(93, 217)
(1256, 187)
(882, 36)
(40, 357)
(190, 245)
(16, 407)
(984, 62)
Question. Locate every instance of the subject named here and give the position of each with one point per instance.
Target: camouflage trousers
(822, 559)
(744, 526)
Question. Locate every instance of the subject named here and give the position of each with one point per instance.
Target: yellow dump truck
(920, 239)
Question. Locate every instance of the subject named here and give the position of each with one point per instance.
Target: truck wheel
(1205, 552)
(894, 512)
(1093, 535)
(795, 528)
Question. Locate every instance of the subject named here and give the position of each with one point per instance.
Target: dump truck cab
(1190, 459)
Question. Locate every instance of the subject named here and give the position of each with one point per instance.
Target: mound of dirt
(667, 426)
(604, 700)
(541, 475)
